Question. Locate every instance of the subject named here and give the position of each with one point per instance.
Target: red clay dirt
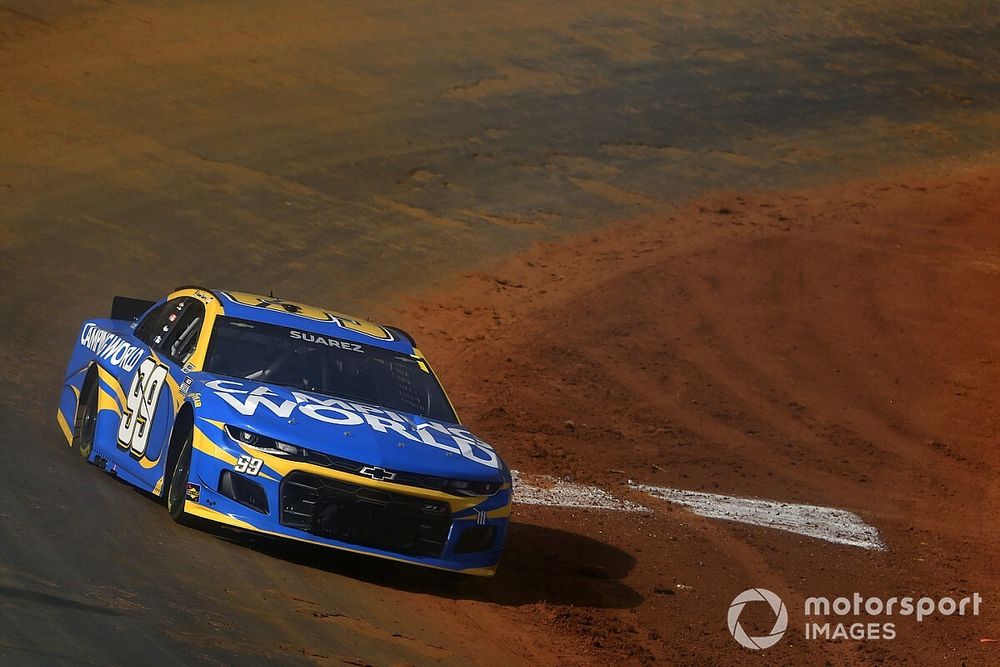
(829, 346)
(832, 346)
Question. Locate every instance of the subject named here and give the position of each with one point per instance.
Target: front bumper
(331, 508)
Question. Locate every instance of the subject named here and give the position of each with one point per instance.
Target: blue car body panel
(378, 454)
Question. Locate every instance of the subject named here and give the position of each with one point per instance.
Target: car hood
(361, 432)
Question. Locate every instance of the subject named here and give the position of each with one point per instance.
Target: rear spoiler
(128, 309)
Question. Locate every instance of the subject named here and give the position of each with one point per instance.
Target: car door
(168, 335)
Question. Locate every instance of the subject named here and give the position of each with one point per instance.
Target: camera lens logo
(780, 623)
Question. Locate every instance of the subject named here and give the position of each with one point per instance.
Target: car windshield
(326, 365)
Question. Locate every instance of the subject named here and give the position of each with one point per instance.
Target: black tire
(87, 428)
(177, 491)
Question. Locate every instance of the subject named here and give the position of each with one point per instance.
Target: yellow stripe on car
(205, 445)
(65, 427)
(284, 466)
(112, 382)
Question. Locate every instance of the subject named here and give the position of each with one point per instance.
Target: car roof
(313, 319)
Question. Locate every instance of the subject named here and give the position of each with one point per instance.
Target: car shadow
(540, 564)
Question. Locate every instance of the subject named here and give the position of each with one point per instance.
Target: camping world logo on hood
(250, 399)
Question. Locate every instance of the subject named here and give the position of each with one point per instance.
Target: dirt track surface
(767, 327)
(826, 346)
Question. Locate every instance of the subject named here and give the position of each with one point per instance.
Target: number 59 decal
(140, 405)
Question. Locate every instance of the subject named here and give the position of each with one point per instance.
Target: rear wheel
(87, 428)
(177, 492)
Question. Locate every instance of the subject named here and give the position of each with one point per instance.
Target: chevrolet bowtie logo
(377, 473)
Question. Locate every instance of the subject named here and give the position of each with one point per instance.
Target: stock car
(289, 420)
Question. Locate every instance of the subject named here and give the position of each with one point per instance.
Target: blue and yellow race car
(286, 419)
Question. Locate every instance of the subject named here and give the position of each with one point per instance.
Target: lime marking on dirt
(557, 492)
(824, 523)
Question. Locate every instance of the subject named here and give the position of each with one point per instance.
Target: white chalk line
(825, 523)
(557, 492)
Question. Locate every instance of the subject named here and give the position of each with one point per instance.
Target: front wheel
(177, 492)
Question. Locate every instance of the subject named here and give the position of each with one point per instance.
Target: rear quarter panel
(110, 347)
